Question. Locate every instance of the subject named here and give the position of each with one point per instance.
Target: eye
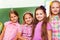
(11, 17)
(52, 7)
(30, 17)
(14, 16)
(26, 18)
(57, 7)
(40, 13)
(37, 14)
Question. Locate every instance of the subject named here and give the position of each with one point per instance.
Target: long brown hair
(51, 5)
(44, 24)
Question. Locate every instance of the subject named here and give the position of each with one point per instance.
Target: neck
(28, 24)
(14, 22)
(54, 15)
(41, 21)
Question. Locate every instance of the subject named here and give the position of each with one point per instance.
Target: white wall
(20, 3)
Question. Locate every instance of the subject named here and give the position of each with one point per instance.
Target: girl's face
(13, 17)
(40, 15)
(55, 8)
(28, 19)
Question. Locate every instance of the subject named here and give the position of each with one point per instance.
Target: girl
(42, 27)
(11, 28)
(27, 27)
(55, 19)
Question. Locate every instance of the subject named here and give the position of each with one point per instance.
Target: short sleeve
(5, 24)
(49, 27)
(19, 28)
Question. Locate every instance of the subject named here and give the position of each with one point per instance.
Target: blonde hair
(51, 5)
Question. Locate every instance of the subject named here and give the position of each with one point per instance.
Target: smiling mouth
(55, 11)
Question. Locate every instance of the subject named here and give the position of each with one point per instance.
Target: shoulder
(18, 24)
(39, 23)
(49, 27)
(6, 23)
(23, 25)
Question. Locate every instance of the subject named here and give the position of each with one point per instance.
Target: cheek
(42, 16)
(37, 16)
(31, 19)
(52, 10)
(11, 18)
(16, 18)
(58, 10)
(25, 20)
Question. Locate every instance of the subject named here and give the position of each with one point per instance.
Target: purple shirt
(11, 30)
(27, 31)
(37, 33)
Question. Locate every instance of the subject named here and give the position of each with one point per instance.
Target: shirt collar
(13, 23)
(28, 25)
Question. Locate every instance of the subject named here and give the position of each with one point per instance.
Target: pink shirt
(27, 31)
(11, 30)
(37, 33)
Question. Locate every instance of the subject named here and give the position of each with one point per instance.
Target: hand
(24, 39)
(0, 38)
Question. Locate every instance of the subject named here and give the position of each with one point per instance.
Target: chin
(29, 23)
(14, 22)
(55, 13)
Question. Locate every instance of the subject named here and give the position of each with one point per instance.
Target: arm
(20, 36)
(2, 34)
(49, 34)
(15, 38)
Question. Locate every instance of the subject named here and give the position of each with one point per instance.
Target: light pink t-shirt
(26, 31)
(11, 30)
(37, 33)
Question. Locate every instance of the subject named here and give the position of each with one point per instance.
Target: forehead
(12, 14)
(55, 4)
(27, 15)
(39, 11)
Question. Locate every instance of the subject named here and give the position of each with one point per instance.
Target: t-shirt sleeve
(5, 24)
(49, 27)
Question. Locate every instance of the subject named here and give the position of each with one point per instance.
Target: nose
(28, 19)
(55, 8)
(38, 15)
